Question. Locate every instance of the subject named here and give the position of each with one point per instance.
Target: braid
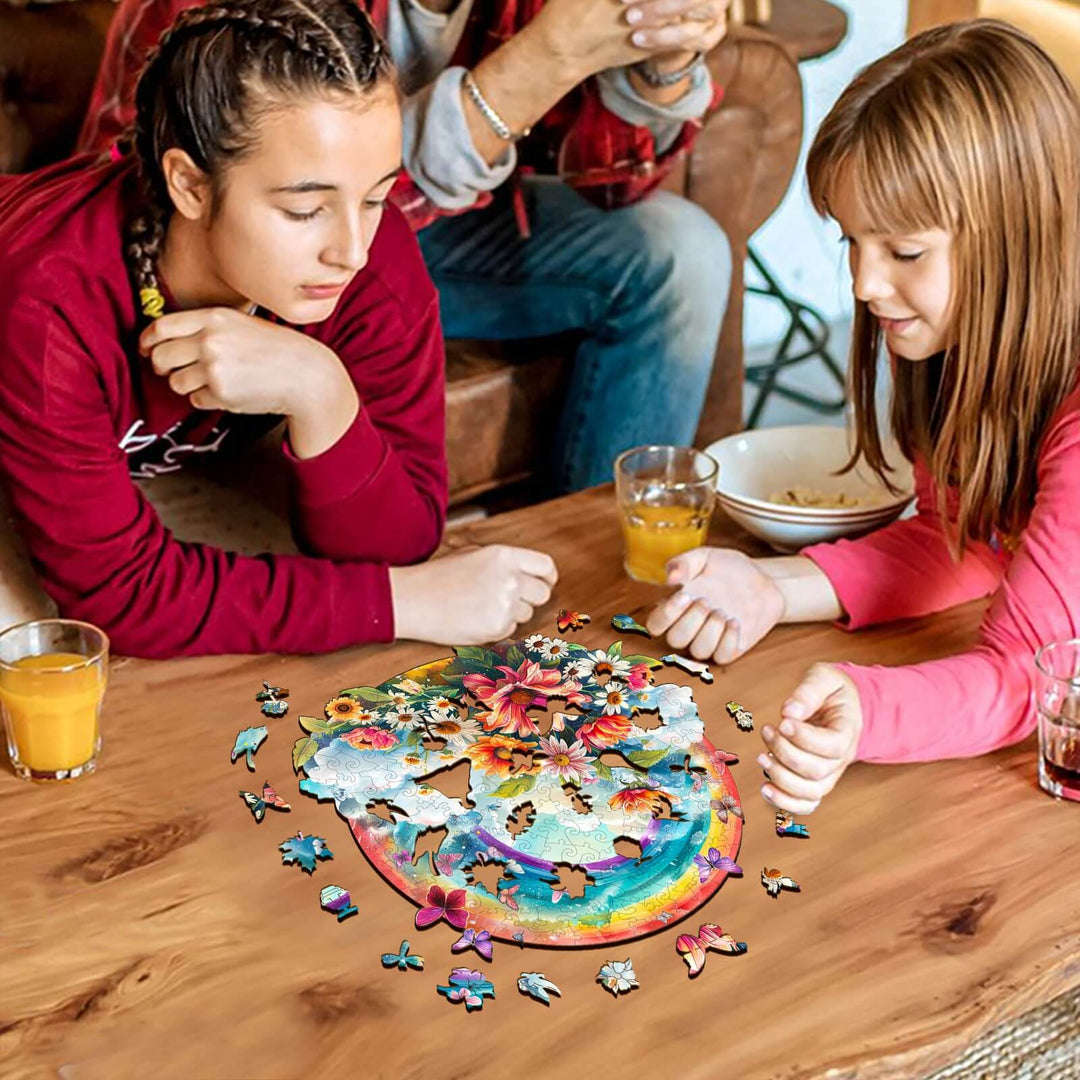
(198, 87)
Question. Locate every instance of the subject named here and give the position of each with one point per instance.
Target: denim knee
(686, 262)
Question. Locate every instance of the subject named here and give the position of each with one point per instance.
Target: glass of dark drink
(1057, 698)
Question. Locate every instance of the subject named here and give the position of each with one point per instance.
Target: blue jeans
(647, 285)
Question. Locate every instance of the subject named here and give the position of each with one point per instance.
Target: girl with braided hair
(238, 268)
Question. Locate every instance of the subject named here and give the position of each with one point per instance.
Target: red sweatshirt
(81, 412)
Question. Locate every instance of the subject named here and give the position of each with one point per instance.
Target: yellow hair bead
(152, 302)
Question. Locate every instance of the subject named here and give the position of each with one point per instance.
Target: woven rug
(1043, 1044)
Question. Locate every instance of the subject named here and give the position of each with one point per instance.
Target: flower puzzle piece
(403, 959)
(618, 977)
(775, 880)
(537, 790)
(571, 620)
(744, 719)
(468, 986)
(628, 624)
(691, 667)
(258, 804)
(337, 900)
(709, 936)
(786, 825)
(538, 986)
(305, 851)
(247, 742)
(272, 701)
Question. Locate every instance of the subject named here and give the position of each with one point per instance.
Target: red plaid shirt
(610, 161)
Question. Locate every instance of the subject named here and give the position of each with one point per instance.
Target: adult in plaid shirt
(536, 133)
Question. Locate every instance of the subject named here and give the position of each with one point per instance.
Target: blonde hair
(970, 128)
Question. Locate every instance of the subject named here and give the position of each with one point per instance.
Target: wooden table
(147, 926)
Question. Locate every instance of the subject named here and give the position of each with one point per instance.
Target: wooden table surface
(147, 926)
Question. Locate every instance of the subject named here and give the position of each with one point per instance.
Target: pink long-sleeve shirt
(980, 700)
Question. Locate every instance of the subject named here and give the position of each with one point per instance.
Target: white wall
(803, 251)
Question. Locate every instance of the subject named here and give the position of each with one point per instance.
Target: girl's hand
(820, 725)
(219, 358)
(724, 607)
(471, 597)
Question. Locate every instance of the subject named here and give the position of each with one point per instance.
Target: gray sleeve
(438, 149)
(664, 121)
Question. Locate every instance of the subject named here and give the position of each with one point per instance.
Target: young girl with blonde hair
(952, 166)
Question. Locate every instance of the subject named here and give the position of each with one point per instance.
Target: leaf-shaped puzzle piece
(304, 850)
(247, 742)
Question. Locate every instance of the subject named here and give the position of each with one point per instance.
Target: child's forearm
(808, 593)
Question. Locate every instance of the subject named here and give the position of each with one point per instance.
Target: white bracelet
(496, 122)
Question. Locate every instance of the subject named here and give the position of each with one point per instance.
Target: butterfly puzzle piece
(537, 985)
(706, 864)
(571, 620)
(691, 667)
(618, 977)
(304, 850)
(257, 804)
(725, 805)
(247, 742)
(336, 899)
(786, 825)
(744, 719)
(443, 905)
(709, 936)
(628, 624)
(480, 940)
(468, 986)
(403, 960)
(271, 699)
(775, 880)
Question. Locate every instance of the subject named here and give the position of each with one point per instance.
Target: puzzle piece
(775, 880)
(468, 986)
(336, 899)
(538, 986)
(786, 825)
(618, 977)
(247, 742)
(628, 624)
(304, 850)
(744, 719)
(692, 667)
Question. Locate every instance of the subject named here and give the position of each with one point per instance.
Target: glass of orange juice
(52, 680)
(666, 496)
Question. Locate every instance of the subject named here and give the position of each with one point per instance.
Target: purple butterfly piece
(706, 864)
(473, 939)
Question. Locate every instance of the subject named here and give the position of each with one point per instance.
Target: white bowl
(755, 464)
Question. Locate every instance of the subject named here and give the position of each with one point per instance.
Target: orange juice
(52, 715)
(654, 534)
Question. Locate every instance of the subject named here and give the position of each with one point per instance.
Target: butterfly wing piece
(483, 945)
(704, 869)
(712, 937)
(272, 798)
(689, 948)
(255, 804)
(428, 916)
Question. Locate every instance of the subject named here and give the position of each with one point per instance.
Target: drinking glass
(1057, 698)
(52, 680)
(666, 496)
